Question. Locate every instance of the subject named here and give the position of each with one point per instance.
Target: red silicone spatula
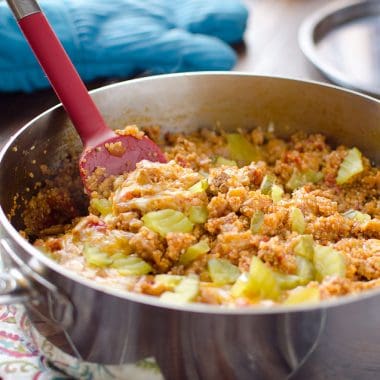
(93, 131)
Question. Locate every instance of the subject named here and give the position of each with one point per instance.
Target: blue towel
(120, 38)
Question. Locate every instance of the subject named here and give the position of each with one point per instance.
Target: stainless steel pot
(338, 339)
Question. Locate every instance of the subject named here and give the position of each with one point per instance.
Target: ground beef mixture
(236, 219)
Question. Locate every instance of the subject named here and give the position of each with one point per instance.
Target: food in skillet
(233, 219)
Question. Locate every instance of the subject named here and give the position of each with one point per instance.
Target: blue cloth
(120, 38)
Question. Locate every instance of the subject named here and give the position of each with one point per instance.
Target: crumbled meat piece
(149, 246)
(115, 149)
(218, 206)
(279, 254)
(233, 245)
(130, 130)
(228, 223)
(330, 228)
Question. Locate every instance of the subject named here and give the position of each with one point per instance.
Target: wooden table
(271, 48)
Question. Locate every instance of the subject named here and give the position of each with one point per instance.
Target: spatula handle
(60, 71)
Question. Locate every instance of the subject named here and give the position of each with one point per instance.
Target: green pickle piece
(131, 265)
(199, 187)
(198, 214)
(186, 291)
(168, 280)
(257, 221)
(167, 220)
(118, 255)
(222, 272)
(221, 161)
(94, 256)
(305, 247)
(351, 166)
(286, 281)
(259, 282)
(301, 295)
(277, 193)
(299, 179)
(305, 270)
(241, 287)
(103, 206)
(297, 220)
(305, 274)
(193, 252)
(119, 261)
(267, 184)
(241, 150)
(269, 187)
(328, 262)
(357, 216)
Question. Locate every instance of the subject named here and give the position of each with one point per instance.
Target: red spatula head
(116, 155)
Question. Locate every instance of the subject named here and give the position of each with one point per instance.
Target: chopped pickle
(277, 193)
(241, 150)
(131, 265)
(297, 220)
(168, 280)
(357, 216)
(119, 261)
(118, 255)
(302, 295)
(221, 161)
(198, 214)
(94, 256)
(103, 206)
(259, 282)
(305, 247)
(199, 187)
(305, 270)
(305, 274)
(185, 291)
(287, 281)
(257, 221)
(328, 262)
(167, 220)
(299, 179)
(351, 165)
(194, 251)
(222, 271)
(266, 184)
(241, 287)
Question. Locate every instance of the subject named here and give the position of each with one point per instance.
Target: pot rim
(151, 300)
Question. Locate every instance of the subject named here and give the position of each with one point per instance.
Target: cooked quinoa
(235, 219)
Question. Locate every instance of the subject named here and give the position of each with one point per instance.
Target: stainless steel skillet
(337, 339)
